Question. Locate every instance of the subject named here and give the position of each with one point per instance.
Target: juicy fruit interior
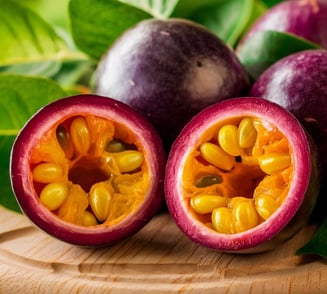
(89, 170)
(238, 175)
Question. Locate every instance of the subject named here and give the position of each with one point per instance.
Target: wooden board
(158, 259)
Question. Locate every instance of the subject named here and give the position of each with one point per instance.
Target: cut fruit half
(241, 176)
(88, 170)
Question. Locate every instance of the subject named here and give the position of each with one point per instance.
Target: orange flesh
(82, 170)
(246, 180)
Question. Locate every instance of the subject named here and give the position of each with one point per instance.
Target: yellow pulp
(89, 171)
(238, 175)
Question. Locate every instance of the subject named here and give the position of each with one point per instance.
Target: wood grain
(158, 259)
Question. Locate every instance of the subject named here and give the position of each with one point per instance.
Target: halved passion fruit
(241, 176)
(88, 170)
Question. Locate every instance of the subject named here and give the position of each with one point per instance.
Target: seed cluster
(240, 176)
(95, 178)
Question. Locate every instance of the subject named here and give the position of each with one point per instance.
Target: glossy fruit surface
(298, 83)
(305, 18)
(169, 70)
(241, 176)
(88, 170)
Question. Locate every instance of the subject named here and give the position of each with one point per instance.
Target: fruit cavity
(76, 171)
(253, 161)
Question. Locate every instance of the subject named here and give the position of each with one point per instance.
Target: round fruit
(241, 176)
(169, 70)
(306, 19)
(88, 170)
(298, 83)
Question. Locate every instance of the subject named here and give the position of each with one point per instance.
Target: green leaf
(7, 198)
(55, 12)
(43, 69)
(157, 8)
(185, 8)
(270, 3)
(75, 74)
(258, 9)
(267, 47)
(26, 37)
(20, 98)
(96, 24)
(318, 244)
(227, 19)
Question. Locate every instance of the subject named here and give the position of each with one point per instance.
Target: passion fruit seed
(222, 220)
(246, 133)
(100, 199)
(53, 195)
(203, 203)
(216, 156)
(265, 205)
(89, 174)
(129, 160)
(228, 140)
(47, 173)
(265, 164)
(89, 219)
(80, 135)
(272, 163)
(244, 215)
(115, 146)
(208, 180)
(65, 141)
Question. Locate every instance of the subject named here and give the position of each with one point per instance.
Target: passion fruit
(241, 176)
(88, 170)
(305, 18)
(169, 70)
(298, 83)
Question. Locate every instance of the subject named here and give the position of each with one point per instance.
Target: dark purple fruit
(169, 70)
(298, 82)
(241, 176)
(305, 18)
(88, 170)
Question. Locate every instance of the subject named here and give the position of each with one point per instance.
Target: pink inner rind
(189, 137)
(44, 120)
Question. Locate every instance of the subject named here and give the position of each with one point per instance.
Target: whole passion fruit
(241, 176)
(88, 170)
(304, 18)
(169, 70)
(298, 83)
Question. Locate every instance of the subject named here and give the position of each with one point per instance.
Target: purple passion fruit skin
(298, 83)
(305, 18)
(220, 187)
(169, 70)
(88, 170)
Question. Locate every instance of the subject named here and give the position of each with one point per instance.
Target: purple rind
(295, 210)
(305, 18)
(169, 70)
(40, 123)
(298, 83)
